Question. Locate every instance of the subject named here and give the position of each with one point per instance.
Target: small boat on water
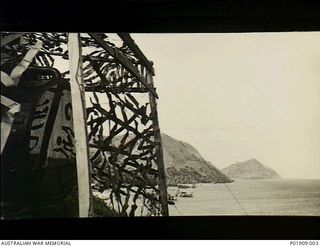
(172, 199)
(183, 186)
(185, 194)
(186, 186)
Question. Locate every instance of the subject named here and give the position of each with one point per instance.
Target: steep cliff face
(250, 169)
(184, 164)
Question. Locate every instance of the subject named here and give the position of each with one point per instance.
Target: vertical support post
(80, 124)
(157, 136)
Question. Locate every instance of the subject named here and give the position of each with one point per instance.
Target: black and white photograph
(159, 124)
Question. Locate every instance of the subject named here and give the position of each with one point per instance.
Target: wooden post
(80, 124)
(157, 136)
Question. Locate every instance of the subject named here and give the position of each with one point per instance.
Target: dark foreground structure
(70, 132)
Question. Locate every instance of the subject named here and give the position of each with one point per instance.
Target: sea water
(251, 197)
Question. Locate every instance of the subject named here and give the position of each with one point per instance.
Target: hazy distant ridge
(250, 169)
(184, 164)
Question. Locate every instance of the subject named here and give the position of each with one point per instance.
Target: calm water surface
(257, 197)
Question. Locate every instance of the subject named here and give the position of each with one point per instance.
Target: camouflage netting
(124, 148)
(122, 136)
